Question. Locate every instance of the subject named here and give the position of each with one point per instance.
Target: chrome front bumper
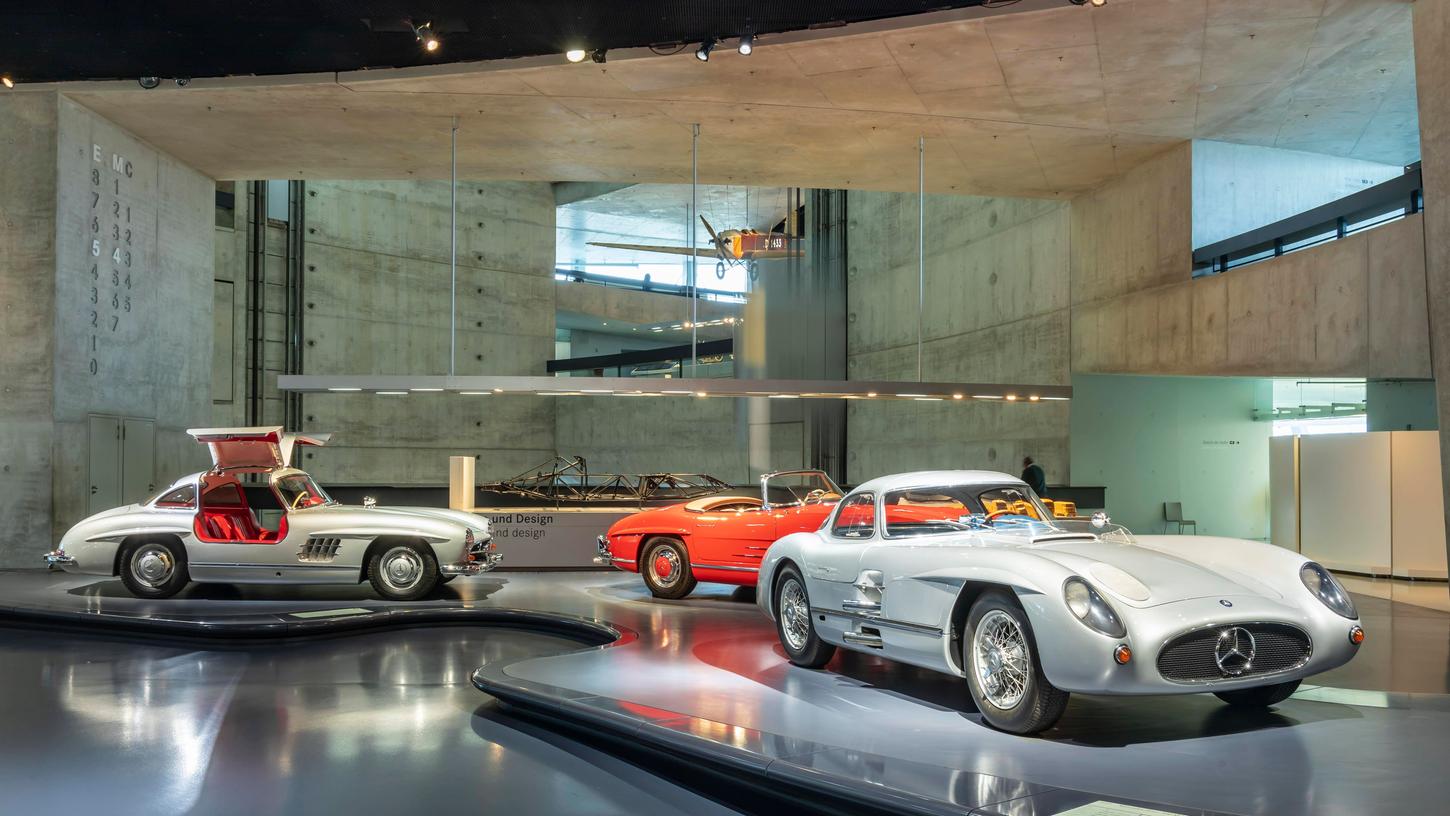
(604, 558)
(483, 561)
(58, 558)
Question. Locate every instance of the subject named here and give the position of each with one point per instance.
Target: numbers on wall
(113, 237)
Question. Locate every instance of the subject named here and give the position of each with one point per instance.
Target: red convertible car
(720, 538)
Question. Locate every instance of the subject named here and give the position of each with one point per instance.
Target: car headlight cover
(1089, 607)
(1323, 586)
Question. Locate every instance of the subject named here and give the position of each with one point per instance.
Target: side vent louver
(319, 550)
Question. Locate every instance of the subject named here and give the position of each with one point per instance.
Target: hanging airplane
(732, 247)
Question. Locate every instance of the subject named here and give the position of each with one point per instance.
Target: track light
(1093, 3)
(703, 52)
(148, 82)
(597, 55)
(747, 45)
(575, 54)
(9, 83)
(427, 37)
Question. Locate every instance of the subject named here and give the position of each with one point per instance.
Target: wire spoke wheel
(402, 569)
(1000, 660)
(795, 615)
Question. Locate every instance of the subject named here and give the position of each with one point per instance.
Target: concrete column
(105, 279)
(1432, 78)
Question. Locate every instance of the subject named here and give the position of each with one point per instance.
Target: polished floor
(379, 723)
(281, 727)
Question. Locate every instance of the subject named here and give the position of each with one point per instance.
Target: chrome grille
(316, 550)
(1190, 658)
(478, 545)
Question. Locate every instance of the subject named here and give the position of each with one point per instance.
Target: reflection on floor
(381, 723)
(1429, 594)
(315, 709)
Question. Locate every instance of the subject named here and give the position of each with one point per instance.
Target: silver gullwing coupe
(965, 572)
(202, 528)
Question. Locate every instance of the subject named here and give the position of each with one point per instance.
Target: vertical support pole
(453, 249)
(694, 259)
(920, 247)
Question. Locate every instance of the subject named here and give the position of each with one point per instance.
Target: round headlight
(1079, 598)
(1089, 607)
(1323, 586)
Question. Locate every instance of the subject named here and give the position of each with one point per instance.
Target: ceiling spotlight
(575, 54)
(597, 55)
(703, 52)
(1098, 3)
(747, 44)
(9, 83)
(427, 37)
(182, 82)
(148, 82)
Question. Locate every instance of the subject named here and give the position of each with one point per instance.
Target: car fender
(790, 548)
(94, 541)
(626, 535)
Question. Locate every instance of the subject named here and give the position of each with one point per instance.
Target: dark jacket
(1035, 479)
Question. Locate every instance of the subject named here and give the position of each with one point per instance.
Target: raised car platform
(703, 679)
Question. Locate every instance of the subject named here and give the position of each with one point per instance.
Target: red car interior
(225, 516)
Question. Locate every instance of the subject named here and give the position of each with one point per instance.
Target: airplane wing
(700, 252)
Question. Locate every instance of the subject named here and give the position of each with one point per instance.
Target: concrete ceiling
(1038, 103)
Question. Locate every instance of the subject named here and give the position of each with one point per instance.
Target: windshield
(297, 490)
(798, 488)
(932, 510)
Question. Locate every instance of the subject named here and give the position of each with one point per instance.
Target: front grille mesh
(1189, 657)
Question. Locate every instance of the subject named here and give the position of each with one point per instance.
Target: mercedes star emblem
(1234, 651)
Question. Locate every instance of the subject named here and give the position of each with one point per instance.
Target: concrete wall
(377, 302)
(28, 124)
(996, 310)
(106, 285)
(1151, 440)
(654, 434)
(1432, 82)
(1352, 307)
(1237, 188)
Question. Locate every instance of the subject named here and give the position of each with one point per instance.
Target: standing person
(1034, 477)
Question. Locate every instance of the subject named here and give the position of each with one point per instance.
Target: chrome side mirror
(369, 502)
(1100, 520)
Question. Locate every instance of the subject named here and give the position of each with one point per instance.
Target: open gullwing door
(261, 448)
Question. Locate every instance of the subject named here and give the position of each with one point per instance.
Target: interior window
(226, 494)
(856, 517)
(184, 496)
(1012, 501)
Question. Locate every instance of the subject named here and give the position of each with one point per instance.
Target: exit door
(122, 461)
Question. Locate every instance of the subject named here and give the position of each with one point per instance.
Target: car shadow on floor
(1094, 721)
(475, 590)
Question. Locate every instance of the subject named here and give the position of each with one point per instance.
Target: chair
(1173, 514)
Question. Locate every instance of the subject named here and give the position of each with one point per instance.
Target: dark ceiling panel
(112, 39)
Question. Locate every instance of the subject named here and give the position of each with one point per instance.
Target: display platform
(704, 679)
